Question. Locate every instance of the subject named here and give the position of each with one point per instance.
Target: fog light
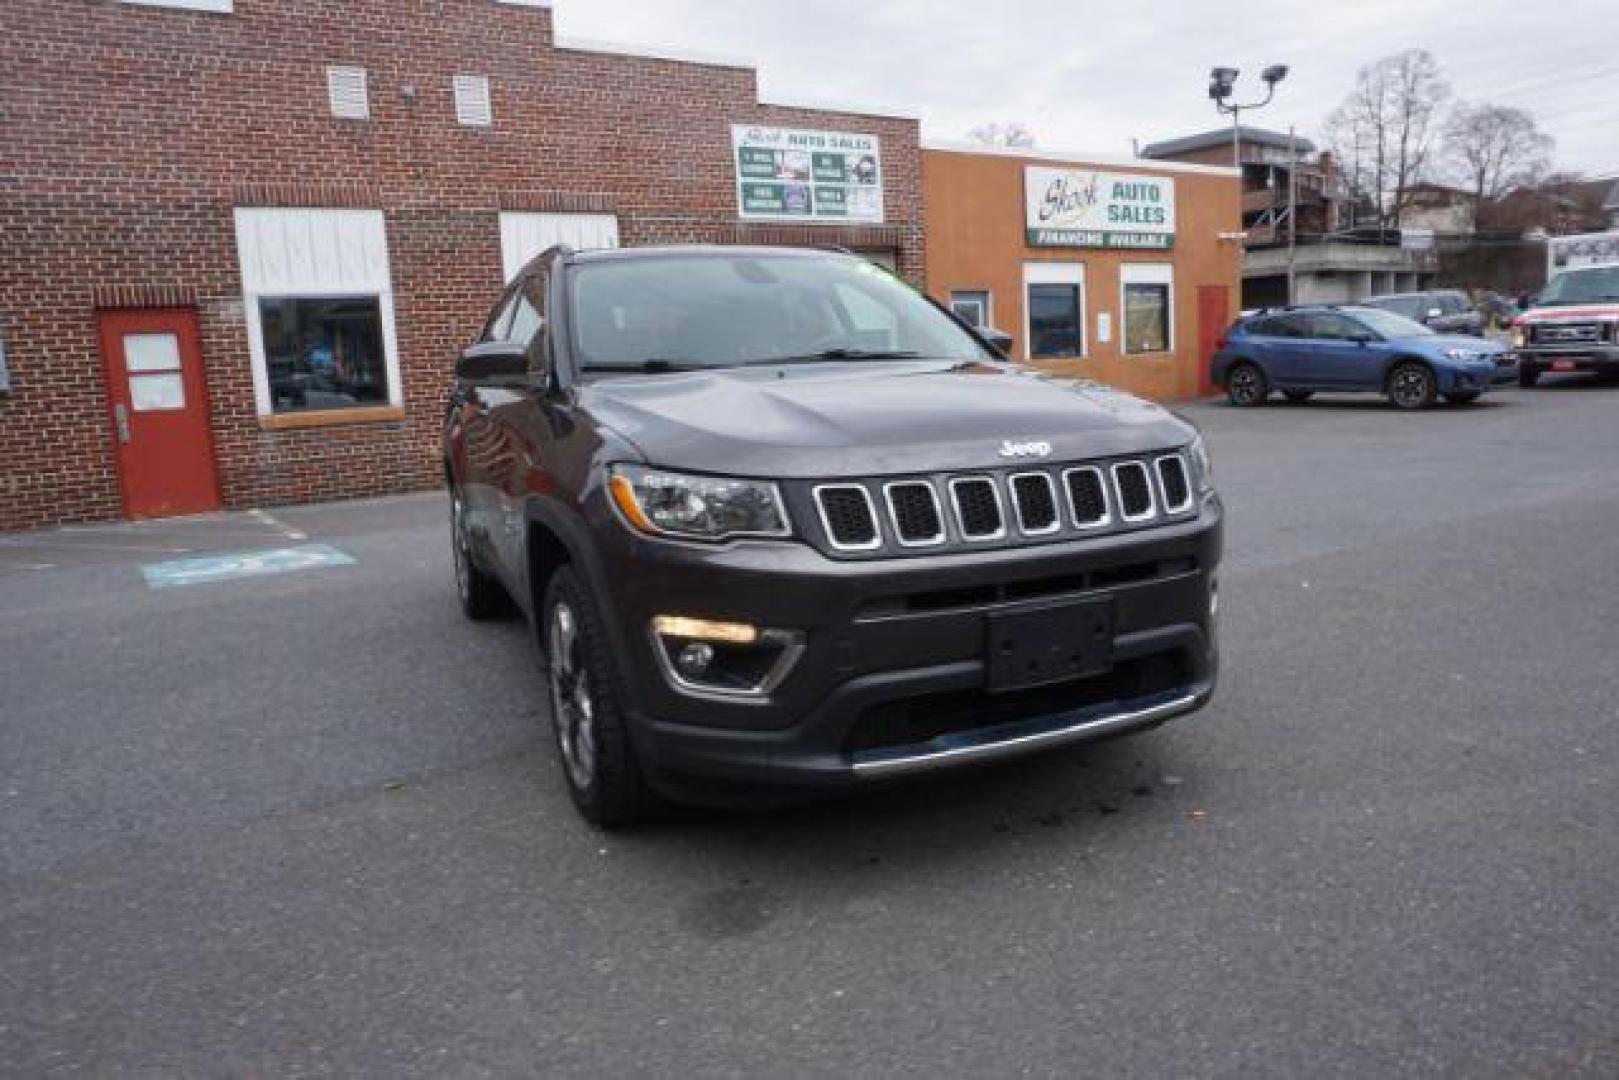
(723, 659)
(695, 658)
(679, 626)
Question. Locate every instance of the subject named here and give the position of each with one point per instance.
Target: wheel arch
(556, 536)
(1410, 358)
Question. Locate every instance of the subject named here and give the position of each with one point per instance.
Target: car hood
(872, 419)
(1570, 311)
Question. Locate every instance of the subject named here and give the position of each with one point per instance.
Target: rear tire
(1246, 385)
(592, 734)
(482, 597)
(1527, 376)
(1298, 397)
(1412, 386)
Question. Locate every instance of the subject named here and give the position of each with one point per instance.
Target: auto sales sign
(1081, 208)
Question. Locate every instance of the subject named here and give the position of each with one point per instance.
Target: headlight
(696, 507)
(1202, 465)
(1464, 355)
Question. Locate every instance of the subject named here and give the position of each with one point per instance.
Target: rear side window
(1276, 326)
(1330, 326)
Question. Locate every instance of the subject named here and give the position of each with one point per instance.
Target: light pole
(1222, 81)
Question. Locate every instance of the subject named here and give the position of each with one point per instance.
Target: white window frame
(219, 7)
(1138, 273)
(1056, 273)
(972, 295)
(341, 255)
(524, 235)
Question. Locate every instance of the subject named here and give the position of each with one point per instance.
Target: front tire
(481, 596)
(1246, 385)
(592, 735)
(1412, 386)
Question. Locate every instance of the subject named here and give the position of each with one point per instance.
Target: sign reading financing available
(785, 174)
(1081, 208)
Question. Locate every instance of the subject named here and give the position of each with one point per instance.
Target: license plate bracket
(1035, 646)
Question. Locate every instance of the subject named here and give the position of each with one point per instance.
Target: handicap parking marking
(205, 569)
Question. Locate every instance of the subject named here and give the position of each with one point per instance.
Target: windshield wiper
(653, 366)
(840, 354)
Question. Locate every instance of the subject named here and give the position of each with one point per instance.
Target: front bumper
(891, 679)
(1603, 359)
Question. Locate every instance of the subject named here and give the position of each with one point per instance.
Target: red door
(158, 407)
(1213, 316)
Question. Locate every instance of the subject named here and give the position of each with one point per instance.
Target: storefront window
(972, 305)
(1054, 321)
(324, 353)
(1146, 318)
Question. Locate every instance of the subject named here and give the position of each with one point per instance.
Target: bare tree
(1385, 129)
(1496, 147)
(1012, 134)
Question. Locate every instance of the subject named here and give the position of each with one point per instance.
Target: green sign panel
(789, 174)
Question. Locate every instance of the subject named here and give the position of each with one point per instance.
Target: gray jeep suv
(781, 523)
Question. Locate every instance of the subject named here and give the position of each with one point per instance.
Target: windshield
(1388, 324)
(1412, 307)
(1595, 285)
(671, 312)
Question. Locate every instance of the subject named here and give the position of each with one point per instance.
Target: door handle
(121, 415)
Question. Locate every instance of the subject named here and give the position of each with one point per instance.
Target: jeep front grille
(978, 507)
(913, 507)
(1087, 497)
(1004, 508)
(848, 516)
(1135, 490)
(1172, 478)
(1034, 497)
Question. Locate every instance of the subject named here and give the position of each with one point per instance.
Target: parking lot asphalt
(310, 823)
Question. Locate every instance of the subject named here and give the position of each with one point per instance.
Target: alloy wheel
(1410, 387)
(458, 544)
(1247, 386)
(572, 705)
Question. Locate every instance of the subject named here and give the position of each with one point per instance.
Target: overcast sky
(1089, 76)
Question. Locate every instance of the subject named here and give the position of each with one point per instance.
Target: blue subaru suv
(1300, 350)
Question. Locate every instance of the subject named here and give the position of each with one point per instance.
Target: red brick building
(245, 239)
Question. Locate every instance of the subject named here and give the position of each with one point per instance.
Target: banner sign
(785, 174)
(1081, 208)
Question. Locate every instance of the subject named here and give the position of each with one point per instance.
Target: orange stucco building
(1123, 271)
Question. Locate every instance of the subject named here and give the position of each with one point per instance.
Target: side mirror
(492, 361)
(998, 338)
(1362, 337)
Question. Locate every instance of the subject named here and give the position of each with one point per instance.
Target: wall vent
(472, 105)
(346, 87)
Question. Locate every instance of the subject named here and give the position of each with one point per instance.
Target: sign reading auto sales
(784, 174)
(1081, 208)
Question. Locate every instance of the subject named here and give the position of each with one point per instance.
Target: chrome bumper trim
(993, 749)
